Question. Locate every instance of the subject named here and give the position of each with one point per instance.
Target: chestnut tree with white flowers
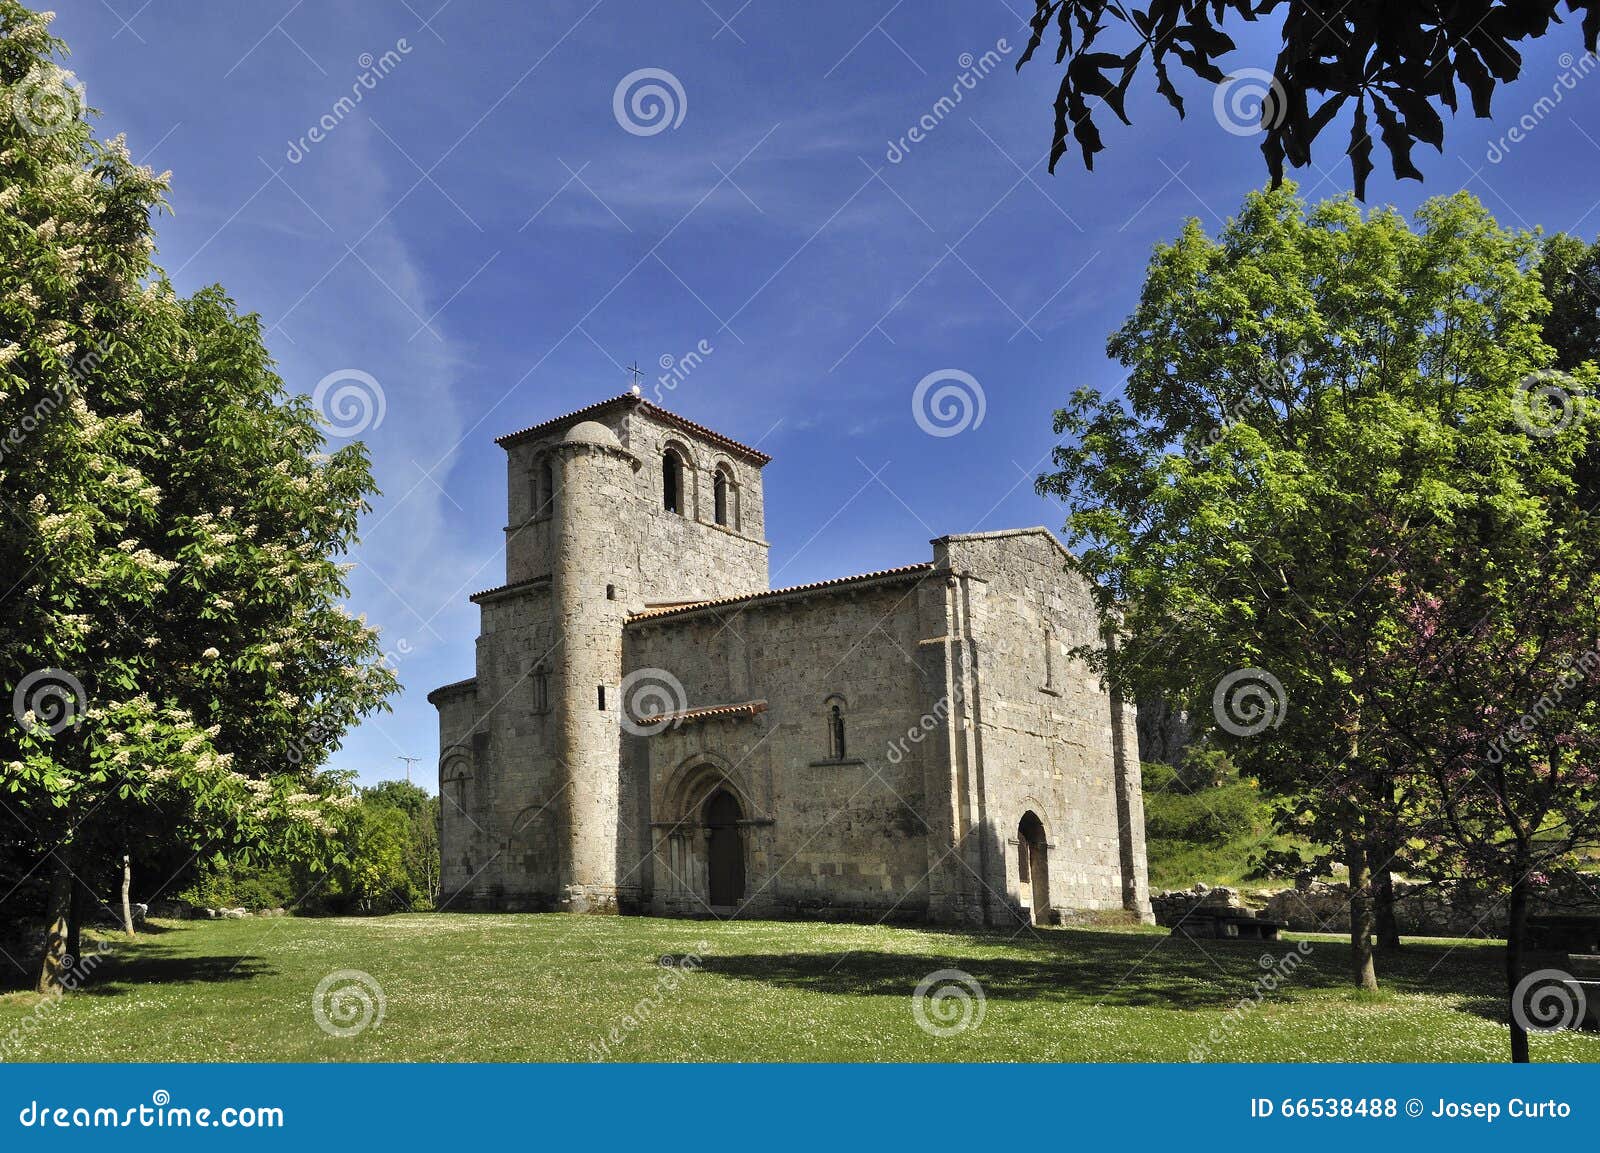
(172, 636)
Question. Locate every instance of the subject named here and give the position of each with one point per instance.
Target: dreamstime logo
(671, 973)
(1542, 406)
(51, 699)
(1249, 701)
(1548, 1001)
(948, 402)
(648, 695)
(392, 657)
(900, 748)
(48, 100)
(973, 69)
(1250, 101)
(373, 69)
(947, 1002)
(1573, 674)
(76, 971)
(83, 367)
(1572, 71)
(351, 401)
(1276, 973)
(1278, 377)
(649, 101)
(677, 369)
(347, 1002)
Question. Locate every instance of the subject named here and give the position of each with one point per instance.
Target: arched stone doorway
(724, 849)
(1033, 866)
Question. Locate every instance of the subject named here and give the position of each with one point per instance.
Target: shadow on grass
(120, 975)
(126, 965)
(1130, 970)
(111, 930)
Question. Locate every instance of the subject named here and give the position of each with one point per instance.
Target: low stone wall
(1441, 910)
(1420, 910)
(1173, 905)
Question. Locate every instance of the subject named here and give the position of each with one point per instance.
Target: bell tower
(592, 558)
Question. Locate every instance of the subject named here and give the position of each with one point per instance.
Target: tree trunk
(1366, 973)
(1516, 933)
(1387, 923)
(58, 912)
(127, 884)
(76, 909)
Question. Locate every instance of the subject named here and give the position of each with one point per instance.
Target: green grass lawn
(547, 988)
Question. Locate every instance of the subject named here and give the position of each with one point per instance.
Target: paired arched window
(455, 779)
(726, 495)
(672, 493)
(837, 745)
(544, 489)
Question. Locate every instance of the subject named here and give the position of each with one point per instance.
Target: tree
(176, 638)
(1504, 712)
(1308, 394)
(383, 857)
(1396, 61)
(394, 858)
(1571, 274)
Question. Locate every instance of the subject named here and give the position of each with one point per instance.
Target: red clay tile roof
(748, 708)
(453, 686)
(756, 456)
(514, 586)
(749, 598)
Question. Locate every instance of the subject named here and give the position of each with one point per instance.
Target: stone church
(654, 729)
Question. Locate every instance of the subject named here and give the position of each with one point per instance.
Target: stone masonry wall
(837, 837)
(677, 557)
(1421, 910)
(1046, 738)
(498, 843)
(502, 839)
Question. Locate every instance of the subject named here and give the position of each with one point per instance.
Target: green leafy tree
(1308, 394)
(1571, 273)
(391, 862)
(175, 633)
(383, 857)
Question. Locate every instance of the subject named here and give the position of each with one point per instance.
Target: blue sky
(484, 238)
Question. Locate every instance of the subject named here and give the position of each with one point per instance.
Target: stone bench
(1228, 924)
(1565, 932)
(1585, 984)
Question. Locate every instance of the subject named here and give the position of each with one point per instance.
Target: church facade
(654, 729)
